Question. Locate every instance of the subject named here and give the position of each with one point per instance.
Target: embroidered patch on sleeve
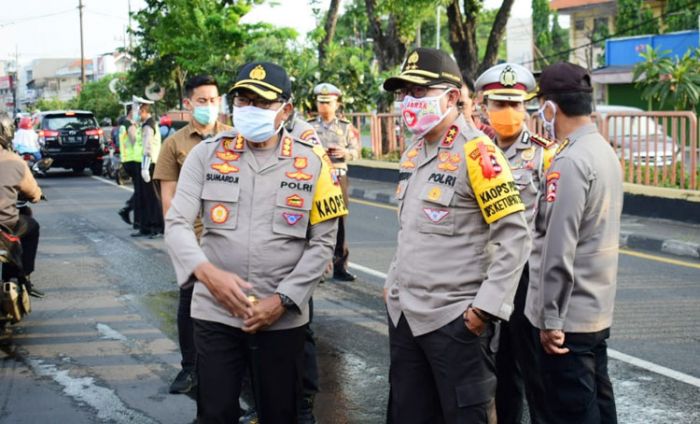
(491, 180)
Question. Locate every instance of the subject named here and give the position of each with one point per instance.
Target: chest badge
(218, 214)
(435, 215)
(449, 162)
(528, 154)
(434, 194)
(225, 168)
(228, 155)
(291, 217)
(295, 201)
(300, 162)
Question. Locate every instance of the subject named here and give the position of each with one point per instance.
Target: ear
(287, 110)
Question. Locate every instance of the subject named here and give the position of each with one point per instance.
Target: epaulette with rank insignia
(344, 121)
(312, 119)
(304, 142)
(541, 141)
(221, 135)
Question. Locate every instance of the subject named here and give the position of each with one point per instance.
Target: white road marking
(83, 389)
(632, 360)
(106, 181)
(108, 333)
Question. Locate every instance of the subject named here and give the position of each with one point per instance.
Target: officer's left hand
(265, 313)
(146, 175)
(473, 322)
(553, 342)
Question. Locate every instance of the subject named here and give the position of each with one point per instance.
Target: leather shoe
(343, 275)
(124, 214)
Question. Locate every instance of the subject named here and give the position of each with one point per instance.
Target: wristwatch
(287, 302)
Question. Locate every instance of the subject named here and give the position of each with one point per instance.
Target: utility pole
(82, 52)
(437, 27)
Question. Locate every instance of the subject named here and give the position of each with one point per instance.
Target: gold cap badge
(258, 73)
(508, 77)
(411, 62)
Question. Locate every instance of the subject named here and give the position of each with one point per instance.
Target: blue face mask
(206, 115)
(255, 124)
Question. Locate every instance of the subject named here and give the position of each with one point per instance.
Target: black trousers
(27, 228)
(225, 353)
(577, 385)
(342, 251)
(517, 366)
(185, 329)
(311, 380)
(133, 169)
(150, 206)
(443, 377)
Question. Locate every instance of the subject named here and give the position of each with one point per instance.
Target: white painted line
(649, 366)
(108, 333)
(369, 271)
(104, 401)
(637, 362)
(106, 181)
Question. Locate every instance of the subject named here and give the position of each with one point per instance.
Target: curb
(629, 240)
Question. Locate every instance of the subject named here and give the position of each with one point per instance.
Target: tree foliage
(96, 97)
(682, 15)
(669, 81)
(551, 40)
(180, 38)
(635, 17)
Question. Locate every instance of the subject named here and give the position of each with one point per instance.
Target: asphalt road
(100, 347)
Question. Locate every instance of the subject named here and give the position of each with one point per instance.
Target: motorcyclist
(26, 140)
(17, 183)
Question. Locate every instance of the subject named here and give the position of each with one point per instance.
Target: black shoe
(306, 413)
(185, 382)
(343, 275)
(250, 417)
(140, 234)
(34, 292)
(124, 214)
(155, 236)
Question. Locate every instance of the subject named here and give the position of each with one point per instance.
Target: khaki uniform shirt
(577, 229)
(303, 131)
(529, 158)
(174, 151)
(16, 180)
(338, 132)
(462, 236)
(272, 224)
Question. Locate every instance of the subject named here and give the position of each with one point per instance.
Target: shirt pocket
(436, 215)
(220, 206)
(291, 214)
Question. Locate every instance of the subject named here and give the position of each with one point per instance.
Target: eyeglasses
(416, 91)
(242, 101)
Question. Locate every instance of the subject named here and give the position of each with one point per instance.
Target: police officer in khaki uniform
(269, 208)
(203, 101)
(340, 139)
(462, 244)
(505, 88)
(574, 263)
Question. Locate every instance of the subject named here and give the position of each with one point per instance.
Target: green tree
(52, 104)
(682, 15)
(541, 31)
(96, 97)
(463, 17)
(666, 80)
(180, 38)
(634, 17)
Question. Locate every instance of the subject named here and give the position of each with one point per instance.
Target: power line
(617, 34)
(32, 18)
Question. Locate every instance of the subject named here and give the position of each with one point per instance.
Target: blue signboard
(625, 51)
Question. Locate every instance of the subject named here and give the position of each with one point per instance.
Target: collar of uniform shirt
(581, 131)
(327, 124)
(194, 130)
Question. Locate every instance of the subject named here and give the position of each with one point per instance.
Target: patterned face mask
(423, 114)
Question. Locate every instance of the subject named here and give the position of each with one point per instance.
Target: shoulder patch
(541, 141)
(224, 134)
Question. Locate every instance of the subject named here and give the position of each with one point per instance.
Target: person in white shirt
(26, 139)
